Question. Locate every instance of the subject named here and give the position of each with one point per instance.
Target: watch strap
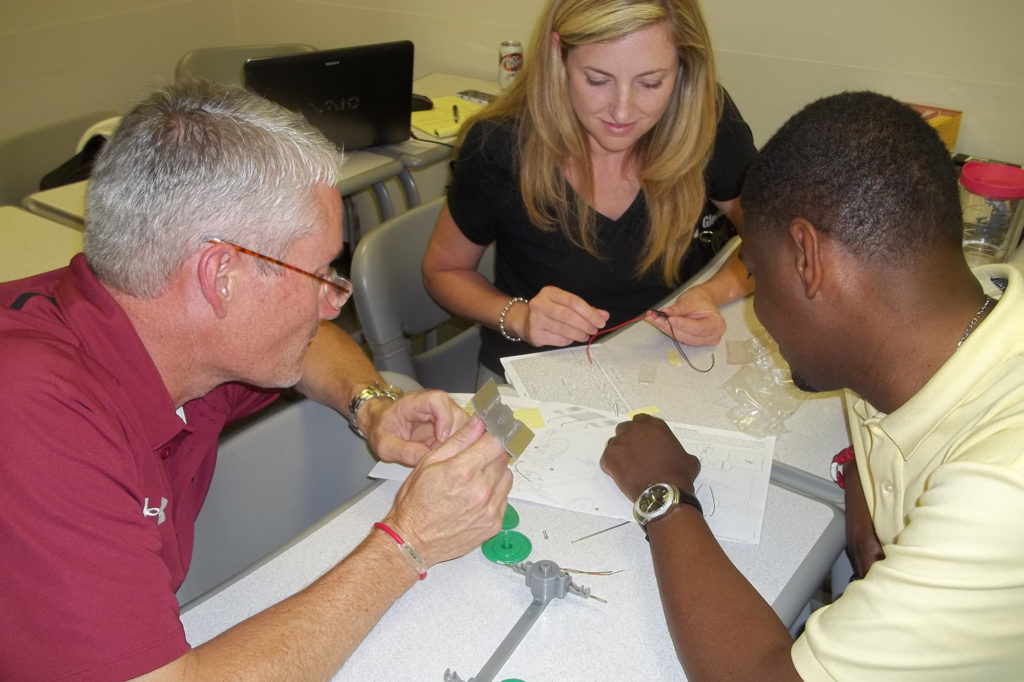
(371, 392)
(678, 497)
(690, 499)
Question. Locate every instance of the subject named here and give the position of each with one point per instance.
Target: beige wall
(59, 58)
(776, 56)
(451, 36)
(773, 56)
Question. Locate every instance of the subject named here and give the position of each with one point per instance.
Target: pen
(455, 112)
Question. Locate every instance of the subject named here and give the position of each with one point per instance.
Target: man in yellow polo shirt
(854, 236)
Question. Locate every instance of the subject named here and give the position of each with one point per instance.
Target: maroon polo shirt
(100, 484)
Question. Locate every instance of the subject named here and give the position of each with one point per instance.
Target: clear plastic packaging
(762, 387)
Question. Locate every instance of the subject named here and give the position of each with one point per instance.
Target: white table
(64, 204)
(363, 169)
(815, 432)
(418, 154)
(459, 614)
(30, 244)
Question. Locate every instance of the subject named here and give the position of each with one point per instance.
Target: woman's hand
(554, 317)
(694, 317)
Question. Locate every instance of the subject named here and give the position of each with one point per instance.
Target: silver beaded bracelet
(504, 312)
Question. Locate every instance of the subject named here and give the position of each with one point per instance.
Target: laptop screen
(357, 96)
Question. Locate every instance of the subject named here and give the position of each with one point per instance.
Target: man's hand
(555, 317)
(455, 497)
(645, 451)
(862, 544)
(695, 318)
(405, 430)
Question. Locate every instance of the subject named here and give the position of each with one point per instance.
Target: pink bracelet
(408, 551)
(842, 457)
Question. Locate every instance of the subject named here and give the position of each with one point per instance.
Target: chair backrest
(224, 64)
(393, 304)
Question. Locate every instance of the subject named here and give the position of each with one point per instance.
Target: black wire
(679, 347)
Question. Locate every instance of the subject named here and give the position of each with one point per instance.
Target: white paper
(561, 468)
(627, 373)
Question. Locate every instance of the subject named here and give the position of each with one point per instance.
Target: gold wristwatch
(658, 500)
(371, 392)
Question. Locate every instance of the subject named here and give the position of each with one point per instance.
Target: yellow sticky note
(446, 117)
(530, 416)
(652, 409)
(673, 357)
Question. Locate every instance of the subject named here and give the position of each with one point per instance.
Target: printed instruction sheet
(561, 467)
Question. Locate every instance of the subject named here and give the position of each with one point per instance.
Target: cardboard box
(945, 121)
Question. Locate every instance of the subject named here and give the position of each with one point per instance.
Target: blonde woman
(607, 175)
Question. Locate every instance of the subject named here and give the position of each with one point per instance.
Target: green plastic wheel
(507, 547)
(511, 518)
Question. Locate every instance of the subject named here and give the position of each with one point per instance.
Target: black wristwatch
(658, 500)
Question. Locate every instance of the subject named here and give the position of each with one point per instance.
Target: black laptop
(357, 96)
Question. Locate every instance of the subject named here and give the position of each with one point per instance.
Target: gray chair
(395, 309)
(224, 64)
(275, 477)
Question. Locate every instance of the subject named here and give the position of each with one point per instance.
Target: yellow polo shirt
(944, 480)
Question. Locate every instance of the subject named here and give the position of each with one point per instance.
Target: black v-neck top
(486, 204)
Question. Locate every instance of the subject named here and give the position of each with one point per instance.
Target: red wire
(649, 313)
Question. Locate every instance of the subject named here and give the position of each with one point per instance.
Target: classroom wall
(61, 58)
(773, 56)
(451, 36)
(777, 56)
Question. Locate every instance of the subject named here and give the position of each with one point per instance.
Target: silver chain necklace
(977, 317)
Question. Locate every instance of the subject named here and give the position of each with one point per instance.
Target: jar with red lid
(990, 198)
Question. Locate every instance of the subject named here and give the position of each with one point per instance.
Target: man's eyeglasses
(333, 287)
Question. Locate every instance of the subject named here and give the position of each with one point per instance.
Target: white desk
(363, 169)
(815, 432)
(65, 204)
(459, 614)
(30, 244)
(418, 154)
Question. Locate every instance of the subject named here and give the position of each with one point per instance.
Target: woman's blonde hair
(671, 157)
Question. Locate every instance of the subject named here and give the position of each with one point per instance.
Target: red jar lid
(993, 180)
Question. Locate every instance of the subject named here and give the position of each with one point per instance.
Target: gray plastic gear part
(546, 581)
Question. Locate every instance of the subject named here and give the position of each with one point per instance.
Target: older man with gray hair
(205, 286)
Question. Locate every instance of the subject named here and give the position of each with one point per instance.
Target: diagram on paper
(561, 468)
(733, 482)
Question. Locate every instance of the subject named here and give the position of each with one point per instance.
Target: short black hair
(866, 169)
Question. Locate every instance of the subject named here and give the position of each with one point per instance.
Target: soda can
(510, 62)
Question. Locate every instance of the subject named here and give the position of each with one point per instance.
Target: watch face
(654, 498)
